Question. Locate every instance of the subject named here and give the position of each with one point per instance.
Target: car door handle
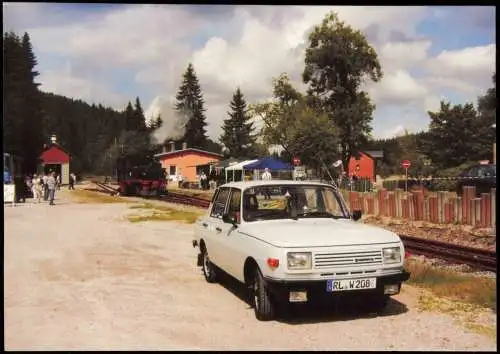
(218, 229)
(204, 224)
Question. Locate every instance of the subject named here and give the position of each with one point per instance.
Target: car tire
(208, 267)
(261, 298)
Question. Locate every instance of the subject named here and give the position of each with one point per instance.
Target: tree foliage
(238, 130)
(190, 106)
(288, 121)
(337, 61)
(22, 108)
(458, 134)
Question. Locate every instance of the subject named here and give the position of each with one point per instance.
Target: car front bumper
(317, 289)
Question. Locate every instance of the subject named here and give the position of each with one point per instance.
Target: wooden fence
(438, 207)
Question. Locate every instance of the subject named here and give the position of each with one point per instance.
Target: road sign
(296, 161)
(406, 165)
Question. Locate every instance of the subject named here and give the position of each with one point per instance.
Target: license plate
(351, 284)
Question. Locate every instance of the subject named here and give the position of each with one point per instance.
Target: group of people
(42, 186)
(45, 185)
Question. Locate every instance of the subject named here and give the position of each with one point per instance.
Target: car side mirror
(230, 219)
(356, 215)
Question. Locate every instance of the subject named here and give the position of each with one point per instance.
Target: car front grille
(347, 259)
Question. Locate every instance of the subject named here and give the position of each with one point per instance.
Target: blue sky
(111, 53)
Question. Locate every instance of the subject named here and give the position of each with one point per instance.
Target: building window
(172, 170)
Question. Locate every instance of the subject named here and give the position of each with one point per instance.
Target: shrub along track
(474, 257)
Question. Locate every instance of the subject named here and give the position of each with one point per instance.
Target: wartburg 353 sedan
(296, 241)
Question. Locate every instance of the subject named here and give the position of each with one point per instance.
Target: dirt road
(80, 276)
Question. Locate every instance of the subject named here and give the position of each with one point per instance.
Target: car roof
(251, 184)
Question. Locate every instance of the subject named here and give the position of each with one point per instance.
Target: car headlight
(299, 260)
(392, 255)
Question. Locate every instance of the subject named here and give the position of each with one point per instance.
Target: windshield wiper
(320, 213)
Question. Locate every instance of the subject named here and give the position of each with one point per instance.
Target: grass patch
(489, 331)
(443, 283)
(161, 213)
(85, 196)
(466, 314)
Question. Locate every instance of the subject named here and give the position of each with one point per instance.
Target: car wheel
(262, 302)
(208, 268)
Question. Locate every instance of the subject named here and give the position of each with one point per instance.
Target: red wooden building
(364, 165)
(56, 158)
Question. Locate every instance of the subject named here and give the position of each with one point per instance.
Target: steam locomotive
(140, 176)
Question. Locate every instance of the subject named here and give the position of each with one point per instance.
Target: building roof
(377, 154)
(171, 153)
(251, 184)
(54, 154)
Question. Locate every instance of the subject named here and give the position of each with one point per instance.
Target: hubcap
(206, 264)
(256, 293)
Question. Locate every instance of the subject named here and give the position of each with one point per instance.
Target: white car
(296, 241)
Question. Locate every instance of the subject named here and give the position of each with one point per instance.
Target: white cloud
(398, 88)
(247, 46)
(467, 70)
(73, 86)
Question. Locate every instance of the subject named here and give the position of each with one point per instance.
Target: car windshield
(292, 201)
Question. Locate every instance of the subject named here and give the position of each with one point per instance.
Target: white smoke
(174, 124)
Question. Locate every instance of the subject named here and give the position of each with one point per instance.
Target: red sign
(296, 161)
(406, 164)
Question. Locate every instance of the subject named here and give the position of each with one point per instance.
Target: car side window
(220, 203)
(235, 205)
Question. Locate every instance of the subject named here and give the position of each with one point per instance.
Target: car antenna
(327, 170)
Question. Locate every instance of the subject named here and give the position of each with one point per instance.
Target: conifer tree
(190, 106)
(237, 134)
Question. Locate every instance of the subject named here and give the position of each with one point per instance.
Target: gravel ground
(79, 276)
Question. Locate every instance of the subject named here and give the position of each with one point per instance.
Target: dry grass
(88, 197)
(455, 286)
(162, 213)
(470, 316)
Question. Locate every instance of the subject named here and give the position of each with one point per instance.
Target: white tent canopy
(238, 167)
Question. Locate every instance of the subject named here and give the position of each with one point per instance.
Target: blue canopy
(270, 163)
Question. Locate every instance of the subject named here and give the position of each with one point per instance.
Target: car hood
(317, 233)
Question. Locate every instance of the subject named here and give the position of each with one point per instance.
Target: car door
(230, 246)
(203, 222)
(214, 227)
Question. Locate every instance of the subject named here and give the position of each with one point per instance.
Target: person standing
(58, 182)
(37, 188)
(203, 178)
(45, 189)
(29, 185)
(266, 176)
(71, 181)
(51, 186)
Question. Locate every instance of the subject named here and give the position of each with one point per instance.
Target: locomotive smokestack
(172, 146)
(184, 146)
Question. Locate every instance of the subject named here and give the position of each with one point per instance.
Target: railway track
(185, 199)
(453, 253)
(168, 197)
